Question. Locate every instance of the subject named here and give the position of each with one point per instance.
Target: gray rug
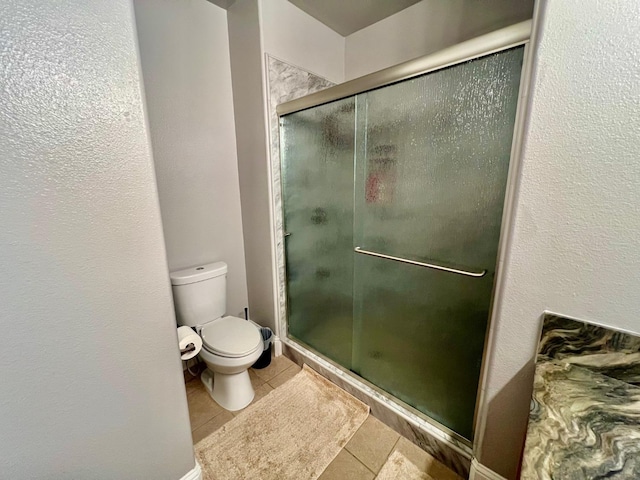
(294, 432)
(398, 467)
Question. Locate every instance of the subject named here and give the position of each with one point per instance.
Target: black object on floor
(265, 358)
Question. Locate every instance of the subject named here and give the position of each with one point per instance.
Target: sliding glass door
(393, 201)
(317, 191)
(432, 162)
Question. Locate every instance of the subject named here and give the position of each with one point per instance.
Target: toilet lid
(231, 336)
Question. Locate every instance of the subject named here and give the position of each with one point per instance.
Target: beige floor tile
(288, 374)
(256, 381)
(261, 391)
(211, 426)
(202, 408)
(278, 365)
(424, 461)
(346, 467)
(372, 443)
(194, 383)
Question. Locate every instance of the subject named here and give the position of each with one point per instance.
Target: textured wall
(184, 49)
(91, 378)
(574, 246)
(427, 27)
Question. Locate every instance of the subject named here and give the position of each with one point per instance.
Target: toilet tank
(200, 293)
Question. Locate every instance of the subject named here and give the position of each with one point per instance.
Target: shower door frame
(503, 39)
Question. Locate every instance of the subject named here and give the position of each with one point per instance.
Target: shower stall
(393, 190)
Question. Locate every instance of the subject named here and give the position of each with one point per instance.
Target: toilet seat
(231, 337)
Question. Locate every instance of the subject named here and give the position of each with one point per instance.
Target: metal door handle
(421, 264)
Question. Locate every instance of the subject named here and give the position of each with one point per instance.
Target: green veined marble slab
(584, 421)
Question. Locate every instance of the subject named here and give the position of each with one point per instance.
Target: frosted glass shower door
(432, 155)
(317, 185)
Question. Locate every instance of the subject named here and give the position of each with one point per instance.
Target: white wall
(574, 246)
(295, 37)
(91, 379)
(184, 49)
(426, 27)
(253, 164)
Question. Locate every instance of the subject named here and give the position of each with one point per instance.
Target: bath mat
(398, 466)
(294, 432)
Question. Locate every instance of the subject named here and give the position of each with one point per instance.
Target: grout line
(281, 373)
(207, 421)
(352, 437)
(194, 429)
(273, 376)
(374, 473)
(394, 445)
(390, 452)
(387, 457)
(359, 461)
(211, 420)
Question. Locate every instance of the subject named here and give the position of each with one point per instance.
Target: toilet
(230, 345)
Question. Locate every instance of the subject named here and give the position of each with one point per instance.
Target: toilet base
(232, 392)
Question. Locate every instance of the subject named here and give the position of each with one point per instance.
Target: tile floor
(361, 459)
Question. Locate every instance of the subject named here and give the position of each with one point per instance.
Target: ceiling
(349, 16)
(344, 16)
(222, 3)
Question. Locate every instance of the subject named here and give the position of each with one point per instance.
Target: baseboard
(277, 346)
(480, 472)
(193, 474)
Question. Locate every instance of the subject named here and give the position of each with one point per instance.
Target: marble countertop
(584, 421)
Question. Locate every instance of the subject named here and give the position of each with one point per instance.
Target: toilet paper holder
(189, 342)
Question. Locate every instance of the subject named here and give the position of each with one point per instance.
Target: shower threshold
(441, 442)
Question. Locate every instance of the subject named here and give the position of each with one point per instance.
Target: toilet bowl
(230, 346)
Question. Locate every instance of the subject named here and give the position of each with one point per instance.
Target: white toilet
(230, 345)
